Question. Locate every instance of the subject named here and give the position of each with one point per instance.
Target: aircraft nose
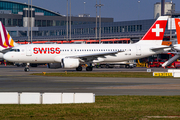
(7, 57)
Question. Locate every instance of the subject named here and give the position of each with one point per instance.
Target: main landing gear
(79, 68)
(26, 69)
(88, 68)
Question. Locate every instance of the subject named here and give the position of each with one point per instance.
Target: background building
(49, 25)
(169, 8)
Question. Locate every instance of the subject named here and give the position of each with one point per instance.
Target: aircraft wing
(90, 57)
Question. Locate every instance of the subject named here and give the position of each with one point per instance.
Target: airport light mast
(28, 23)
(31, 22)
(138, 8)
(67, 23)
(98, 5)
(96, 18)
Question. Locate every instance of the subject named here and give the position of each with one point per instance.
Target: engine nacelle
(69, 63)
(54, 65)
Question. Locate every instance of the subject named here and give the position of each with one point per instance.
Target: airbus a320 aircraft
(74, 55)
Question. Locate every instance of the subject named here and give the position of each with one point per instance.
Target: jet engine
(69, 63)
(54, 65)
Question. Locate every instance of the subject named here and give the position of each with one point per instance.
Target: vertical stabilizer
(156, 33)
(5, 39)
(177, 23)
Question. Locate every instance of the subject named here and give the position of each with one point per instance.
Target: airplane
(74, 55)
(6, 41)
(176, 46)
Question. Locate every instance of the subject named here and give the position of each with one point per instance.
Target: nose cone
(7, 57)
(1, 56)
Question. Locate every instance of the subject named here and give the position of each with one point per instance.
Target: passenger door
(28, 51)
(138, 50)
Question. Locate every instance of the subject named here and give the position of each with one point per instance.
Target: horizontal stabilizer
(160, 48)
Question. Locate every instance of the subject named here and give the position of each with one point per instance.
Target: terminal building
(48, 25)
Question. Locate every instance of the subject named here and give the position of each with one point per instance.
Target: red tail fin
(177, 23)
(156, 32)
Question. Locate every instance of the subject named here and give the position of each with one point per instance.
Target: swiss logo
(157, 30)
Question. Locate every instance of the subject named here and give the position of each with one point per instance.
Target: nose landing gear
(26, 69)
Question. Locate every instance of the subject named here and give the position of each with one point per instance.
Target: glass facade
(11, 22)
(89, 31)
(12, 11)
(125, 29)
(47, 23)
(18, 7)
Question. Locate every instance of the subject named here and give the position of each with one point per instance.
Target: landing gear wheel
(89, 68)
(127, 66)
(79, 68)
(26, 69)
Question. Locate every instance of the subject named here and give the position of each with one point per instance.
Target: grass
(105, 107)
(102, 74)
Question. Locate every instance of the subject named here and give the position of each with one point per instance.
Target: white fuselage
(49, 53)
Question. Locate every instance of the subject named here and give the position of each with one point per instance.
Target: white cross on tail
(157, 30)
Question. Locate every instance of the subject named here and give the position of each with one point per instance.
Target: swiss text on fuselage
(50, 50)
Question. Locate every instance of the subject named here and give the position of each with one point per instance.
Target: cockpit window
(15, 50)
